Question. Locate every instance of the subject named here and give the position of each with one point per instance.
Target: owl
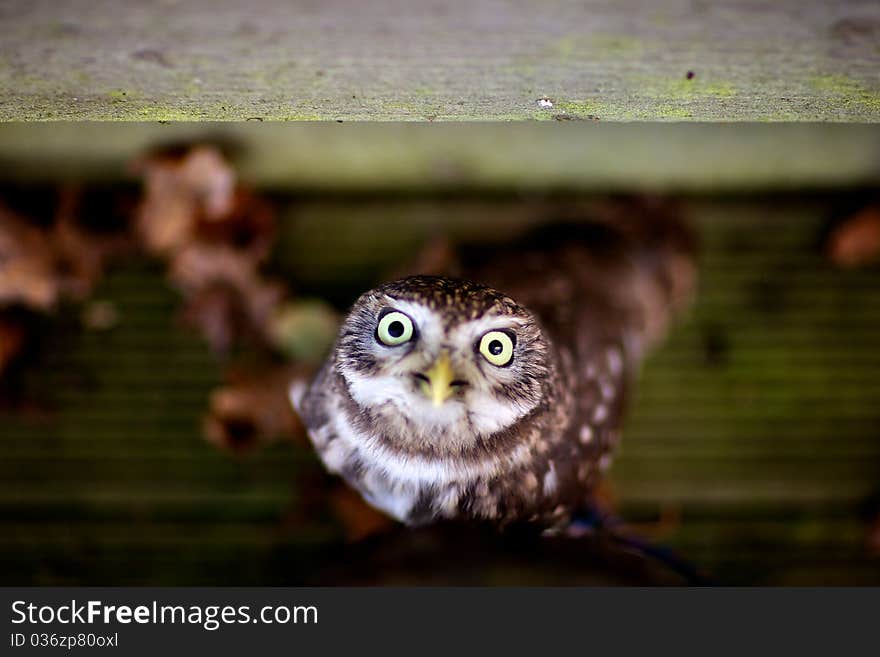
(495, 392)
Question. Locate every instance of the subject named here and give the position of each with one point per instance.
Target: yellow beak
(438, 387)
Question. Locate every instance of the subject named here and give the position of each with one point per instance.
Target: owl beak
(438, 385)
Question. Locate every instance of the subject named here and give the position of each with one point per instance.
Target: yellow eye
(394, 329)
(497, 347)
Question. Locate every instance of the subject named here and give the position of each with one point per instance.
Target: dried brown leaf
(12, 339)
(253, 410)
(27, 264)
(179, 191)
(227, 298)
(856, 241)
(248, 226)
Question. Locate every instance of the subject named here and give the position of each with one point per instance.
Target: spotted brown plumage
(496, 394)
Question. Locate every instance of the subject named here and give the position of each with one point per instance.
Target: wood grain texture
(395, 60)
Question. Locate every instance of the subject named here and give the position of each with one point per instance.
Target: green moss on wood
(104, 65)
(689, 89)
(847, 91)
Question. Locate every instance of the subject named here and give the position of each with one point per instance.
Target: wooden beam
(378, 158)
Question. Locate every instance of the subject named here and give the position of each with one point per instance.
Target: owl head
(445, 363)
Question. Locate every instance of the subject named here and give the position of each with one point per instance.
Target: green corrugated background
(758, 421)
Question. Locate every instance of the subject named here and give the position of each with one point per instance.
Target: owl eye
(497, 347)
(394, 329)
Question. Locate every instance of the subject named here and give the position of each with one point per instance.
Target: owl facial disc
(439, 362)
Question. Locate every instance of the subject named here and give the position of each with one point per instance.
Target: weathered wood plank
(395, 158)
(396, 60)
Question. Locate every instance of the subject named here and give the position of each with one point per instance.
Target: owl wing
(605, 290)
(619, 275)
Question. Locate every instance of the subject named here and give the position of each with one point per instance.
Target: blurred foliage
(752, 447)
